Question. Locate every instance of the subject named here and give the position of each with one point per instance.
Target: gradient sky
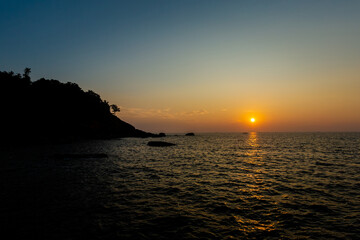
(203, 66)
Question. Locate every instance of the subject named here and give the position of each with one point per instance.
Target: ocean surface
(210, 186)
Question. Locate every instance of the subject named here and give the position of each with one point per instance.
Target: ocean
(208, 186)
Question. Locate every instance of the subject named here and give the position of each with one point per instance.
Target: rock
(157, 135)
(190, 134)
(81, 155)
(160, 144)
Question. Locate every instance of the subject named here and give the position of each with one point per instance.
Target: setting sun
(252, 120)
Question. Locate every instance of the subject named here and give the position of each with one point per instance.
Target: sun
(252, 120)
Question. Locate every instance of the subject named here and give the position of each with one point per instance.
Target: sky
(199, 66)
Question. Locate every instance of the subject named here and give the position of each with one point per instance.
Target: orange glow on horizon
(251, 121)
(251, 118)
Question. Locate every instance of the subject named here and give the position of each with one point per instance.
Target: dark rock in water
(157, 135)
(91, 155)
(160, 144)
(190, 134)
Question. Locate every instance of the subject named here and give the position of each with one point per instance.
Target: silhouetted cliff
(48, 110)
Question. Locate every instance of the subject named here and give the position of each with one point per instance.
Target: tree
(114, 108)
(27, 72)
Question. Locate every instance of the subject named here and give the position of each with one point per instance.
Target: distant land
(47, 110)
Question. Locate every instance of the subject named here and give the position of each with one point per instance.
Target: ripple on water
(211, 186)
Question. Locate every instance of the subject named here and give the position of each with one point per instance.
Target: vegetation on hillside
(47, 109)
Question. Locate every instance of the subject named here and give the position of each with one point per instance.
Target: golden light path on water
(255, 188)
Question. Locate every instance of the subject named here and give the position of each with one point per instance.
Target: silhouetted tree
(27, 72)
(114, 108)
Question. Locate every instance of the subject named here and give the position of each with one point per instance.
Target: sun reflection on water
(252, 140)
(255, 189)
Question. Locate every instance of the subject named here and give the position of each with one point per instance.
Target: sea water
(209, 186)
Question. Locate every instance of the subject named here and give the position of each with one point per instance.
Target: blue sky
(197, 65)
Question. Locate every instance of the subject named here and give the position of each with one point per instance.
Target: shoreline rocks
(160, 144)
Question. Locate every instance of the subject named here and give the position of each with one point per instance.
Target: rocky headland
(47, 110)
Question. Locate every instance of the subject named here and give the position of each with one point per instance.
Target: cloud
(166, 113)
(146, 113)
(196, 112)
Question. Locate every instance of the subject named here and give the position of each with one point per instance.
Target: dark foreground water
(211, 186)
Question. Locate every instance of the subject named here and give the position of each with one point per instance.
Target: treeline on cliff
(47, 109)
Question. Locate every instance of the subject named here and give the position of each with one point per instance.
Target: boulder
(160, 144)
(190, 134)
(80, 155)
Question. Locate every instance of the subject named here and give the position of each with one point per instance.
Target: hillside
(48, 110)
